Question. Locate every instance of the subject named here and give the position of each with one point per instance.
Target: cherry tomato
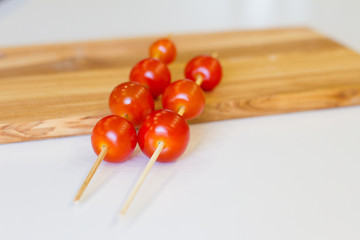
(184, 93)
(131, 101)
(164, 50)
(152, 74)
(208, 67)
(169, 127)
(117, 134)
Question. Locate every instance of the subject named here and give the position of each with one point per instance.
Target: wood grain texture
(63, 89)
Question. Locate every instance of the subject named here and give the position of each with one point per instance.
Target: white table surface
(290, 176)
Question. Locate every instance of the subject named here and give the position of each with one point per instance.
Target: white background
(291, 176)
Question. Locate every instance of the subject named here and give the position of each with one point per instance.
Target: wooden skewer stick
(199, 79)
(181, 110)
(87, 180)
(146, 171)
(215, 55)
(142, 177)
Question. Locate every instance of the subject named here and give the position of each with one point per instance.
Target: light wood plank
(62, 89)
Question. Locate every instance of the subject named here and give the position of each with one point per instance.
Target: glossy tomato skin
(118, 134)
(164, 50)
(169, 127)
(131, 101)
(187, 94)
(208, 67)
(152, 74)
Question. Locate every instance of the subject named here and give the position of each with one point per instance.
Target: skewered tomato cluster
(164, 133)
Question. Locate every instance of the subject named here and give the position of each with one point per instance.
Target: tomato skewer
(175, 137)
(114, 137)
(155, 140)
(114, 140)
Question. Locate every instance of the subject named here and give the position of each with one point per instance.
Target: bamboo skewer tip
(142, 178)
(91, 173)
(215, 55)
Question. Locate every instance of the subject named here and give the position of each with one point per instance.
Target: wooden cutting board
(62, 89)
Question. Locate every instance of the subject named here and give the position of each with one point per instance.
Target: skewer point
(87, 180)
(215, 55)
(142, 177)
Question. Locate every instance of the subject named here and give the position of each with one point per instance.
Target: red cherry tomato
(131, 101)
(164, 50)
(117, 134)
(152, 74)
(187, 94)
(167, 126)
(208, 67)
